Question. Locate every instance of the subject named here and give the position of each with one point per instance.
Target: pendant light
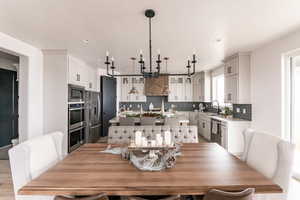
(166, 87)
(133, 89)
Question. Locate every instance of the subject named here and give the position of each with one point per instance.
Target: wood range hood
(157, 86)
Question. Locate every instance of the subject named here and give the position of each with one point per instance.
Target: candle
(153, 143)
(145, 142)
(141, 52)
(138, 138)
(168, 138)
(107, 53)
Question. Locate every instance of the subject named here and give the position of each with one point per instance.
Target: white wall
(30, 85)
(56, 93)
(266, 83)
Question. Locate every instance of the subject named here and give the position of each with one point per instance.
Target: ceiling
(179, 27)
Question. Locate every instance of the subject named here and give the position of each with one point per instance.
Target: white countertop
(222, 118)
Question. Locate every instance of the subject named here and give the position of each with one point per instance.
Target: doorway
(9, 114)
(291, 126)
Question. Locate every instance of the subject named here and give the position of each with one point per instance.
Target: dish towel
(214, 129)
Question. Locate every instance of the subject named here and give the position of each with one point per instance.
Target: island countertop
(182, 119)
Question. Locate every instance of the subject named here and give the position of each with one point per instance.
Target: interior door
(108, 94)
(8, 107)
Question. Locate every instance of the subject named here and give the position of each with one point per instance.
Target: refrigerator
(93, 116)
(108, 102)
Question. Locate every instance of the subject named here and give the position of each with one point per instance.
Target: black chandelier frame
(110, 65)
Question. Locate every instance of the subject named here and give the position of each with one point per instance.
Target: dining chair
(100, 196)
(273, 157)
(126, 121)
(33, 157)
(214, 194)
(175, 197)
(247, 136)
(148, 121)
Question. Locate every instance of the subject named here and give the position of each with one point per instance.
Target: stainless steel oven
(76, 93)
(76, 138)
(76, 115)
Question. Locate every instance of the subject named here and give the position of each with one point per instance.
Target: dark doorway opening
(9, 113)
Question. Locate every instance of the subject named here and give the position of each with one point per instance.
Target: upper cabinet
(201, 87)
(82, 75)
(176, 89)
(237, 79)
(126, 85)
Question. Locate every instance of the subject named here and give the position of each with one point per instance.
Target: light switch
(244, 111)
(238, 110)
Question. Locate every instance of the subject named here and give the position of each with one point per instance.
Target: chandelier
(147, 72)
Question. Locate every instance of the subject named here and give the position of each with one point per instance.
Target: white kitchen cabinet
(188, 89)
(126, 86)
(176, 87)
(204, 125)
(93, 80)
(231, 88)
(81, 74)
(201, 87)
(181, 89)
(237, 79)
(139, 84)
(232, 136)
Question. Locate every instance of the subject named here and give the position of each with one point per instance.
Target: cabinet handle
(229, 97)
(229, 70)
(203, 125)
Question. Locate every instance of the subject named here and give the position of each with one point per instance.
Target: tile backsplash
(156, 101)
(242, 111)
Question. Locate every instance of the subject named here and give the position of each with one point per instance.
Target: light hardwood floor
(6, 187)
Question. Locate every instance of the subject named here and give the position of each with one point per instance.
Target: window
(218, 89)
(291, 109)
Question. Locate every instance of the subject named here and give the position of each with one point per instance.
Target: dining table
(199, 168)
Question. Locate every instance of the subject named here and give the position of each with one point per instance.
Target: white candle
(145, 142)
(168, 138)
(153, 143)
(107, 53)
(158, 140)
(138, 138)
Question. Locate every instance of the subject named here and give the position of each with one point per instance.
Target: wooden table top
(201, 167)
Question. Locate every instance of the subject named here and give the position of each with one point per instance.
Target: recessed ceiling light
(85, 41)
(218, 40)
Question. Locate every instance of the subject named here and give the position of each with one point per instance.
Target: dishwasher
(216, 131)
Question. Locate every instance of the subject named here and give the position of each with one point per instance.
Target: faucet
(218, 108)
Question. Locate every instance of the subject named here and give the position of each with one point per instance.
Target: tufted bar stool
(124, 134)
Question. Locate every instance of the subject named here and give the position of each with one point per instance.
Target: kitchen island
(159, 120)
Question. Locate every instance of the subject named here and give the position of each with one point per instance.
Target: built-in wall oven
(76, 115)
(76, 125)
(76, 93)
(76, 138)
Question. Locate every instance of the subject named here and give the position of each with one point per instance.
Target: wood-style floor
(6, 187)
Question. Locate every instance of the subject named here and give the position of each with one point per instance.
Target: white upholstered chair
(272, 157)
(124, 134)
(33, 157)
